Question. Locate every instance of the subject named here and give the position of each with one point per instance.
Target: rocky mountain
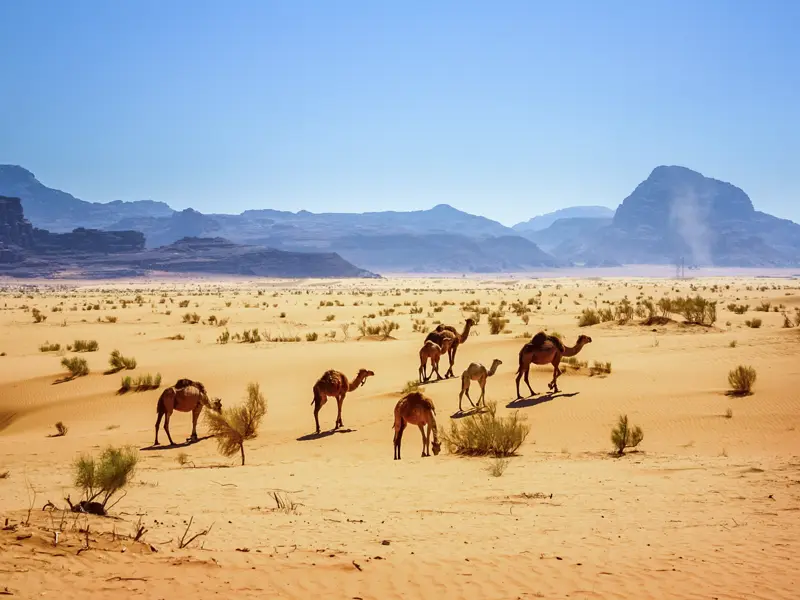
(573, 212)
(27, 251)
(59, 211)
(566, 236)
(677, 212)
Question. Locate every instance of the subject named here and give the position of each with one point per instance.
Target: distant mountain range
(675, 212)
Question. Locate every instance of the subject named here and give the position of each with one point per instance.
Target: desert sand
(708, 506)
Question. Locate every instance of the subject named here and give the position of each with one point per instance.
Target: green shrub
(191, 318)
(696, 310)
(224, 337)
(119, 362)
(84, 346)
(739, 309)
(485, 433)
(741, 380)
(497, 324)
(147, 382)
(497, 466)
(623, 436)
(99, 480)
(312, 337)
(127, 384)
(48, 347)
(234, 426)
(753, 324)
(77, 367)
(412, 385)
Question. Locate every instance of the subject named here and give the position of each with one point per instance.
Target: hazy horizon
(505, 111)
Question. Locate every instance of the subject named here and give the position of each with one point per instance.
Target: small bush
(623, 436)
(48, 347)
(732, 344)
(191, 318)
(100, 479)
(183, 304)
(234, 426)
(178, 336)
(77, 367)
(588, 318)
(497, 324)
(739, 309)
(38, 316)
(485, 433)
(387, 327)
(696, 310)
(765, 306)
(600, 368)
(312, 337)
(126, 384)
(61, 429)
(729, 413)
(741, 380)
(224, 337)
(497, 466)
(84, 346)
(111, 319)
(412, 385)
(119, 362)
(753, 324)
(330, 317)
(147, 382)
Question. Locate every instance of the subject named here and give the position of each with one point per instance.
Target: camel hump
(184, 383)
(539, 339)
(556, 342)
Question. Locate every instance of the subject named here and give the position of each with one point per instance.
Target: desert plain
(707, 506)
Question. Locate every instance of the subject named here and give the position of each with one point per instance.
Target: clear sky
(506, 109)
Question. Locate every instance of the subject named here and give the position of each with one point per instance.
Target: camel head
(363, 374)
(583, 340)
(216, 405)
(470, 321)
(436, 447)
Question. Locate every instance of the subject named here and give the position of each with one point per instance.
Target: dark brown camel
(546, 349)
(441, 332)
(335, 383)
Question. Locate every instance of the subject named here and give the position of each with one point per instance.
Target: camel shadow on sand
(323, 434)
(535, 401)
(186, 444)
(460, 414)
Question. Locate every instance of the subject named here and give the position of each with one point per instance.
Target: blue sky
(506, 109)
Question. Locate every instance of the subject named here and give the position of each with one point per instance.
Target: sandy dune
(708, 508)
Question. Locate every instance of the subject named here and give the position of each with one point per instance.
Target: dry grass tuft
(234, 426)
(486, 434)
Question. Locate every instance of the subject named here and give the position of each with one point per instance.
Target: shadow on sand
(527, 402)
(460, 414)
(186, 444)
(323, 434)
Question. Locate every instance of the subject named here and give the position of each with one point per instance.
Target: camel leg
(451, 355)
(483, 394)
(528, 383)
(424, 441)
(398, 438)
(435, 367)
(195, 415)
(317, 406)
(421, 374)
(158, 423)
(166, 428)
(339, 402)
(556, 375)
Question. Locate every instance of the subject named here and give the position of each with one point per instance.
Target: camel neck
(572, 351)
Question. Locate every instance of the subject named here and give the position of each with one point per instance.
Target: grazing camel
(433, 351)
(476, 372)
(443, 331)
(334, 383)
(545, 349)
(185, 396)
(416, 409)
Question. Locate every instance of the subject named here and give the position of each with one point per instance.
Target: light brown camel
(458, 339)
(416, 409)
(334, 383)
(476, 372)
(185, 396)
(433, 351)
(545, 349)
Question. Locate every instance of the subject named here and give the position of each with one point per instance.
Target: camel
(334, 383)
(444, 331)
(476, 372)
(185, 396)
(416, 409)
(545, 349)
(433, 351)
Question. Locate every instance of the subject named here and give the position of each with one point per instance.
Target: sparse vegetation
(753, 323)
(234, 426)
(38, 316)
(600, 368)
(412, 385)
(497, 323)
(485, 433)
(119, 362)
(84, 346)
(623, 436)
(741, 380)
(312, 337)
(48, 347)
(61, 430)
(77, 367)
(588, 318)
(191, 318)
(100, 479)
(497, 466)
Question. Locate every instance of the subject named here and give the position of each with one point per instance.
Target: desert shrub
(61, 429)
(234, 426)
(753, 323)
(729, 413)
(84, 346)
(330, 317)
(100, 479)
(624, 312)
(738, 309)
(485, 433)
(119, 362)
(38, 316)
(787, 322)
(588, 318)
(183, 459)
(600, 368)
(126, 385)
(77, 367)
(224, 337)
(178, 336)
(412, 385)
(147, 382)
(732, 344)
(497, 324)
(312, 337)
(48, 347)
(250, 336)
(387, 327)
(696, 310)
(764, 307)
(191, 318)
(497, 466)
(183, 303)
(741, 379)
(623, 436)
(212, 320)
(111, 319)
